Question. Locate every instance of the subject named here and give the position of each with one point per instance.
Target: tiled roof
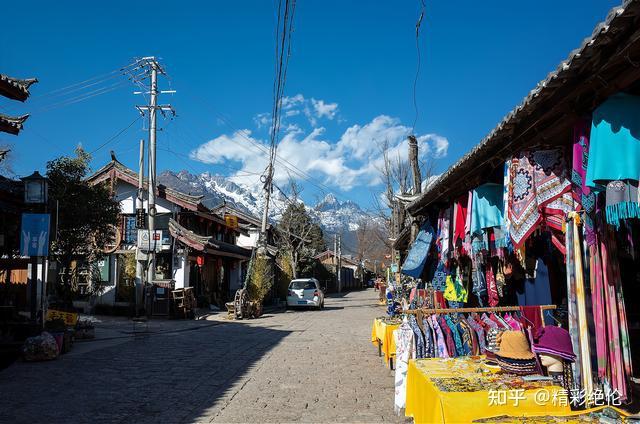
(11, 124)
(14, 88)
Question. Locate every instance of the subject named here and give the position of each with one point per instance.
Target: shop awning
(417, 257)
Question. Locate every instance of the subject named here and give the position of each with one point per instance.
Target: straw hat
(514, 345)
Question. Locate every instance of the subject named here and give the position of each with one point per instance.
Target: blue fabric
(487, 207)
(614, 145)
(439, 281)
(535, 291)
(417, 256)
(456, 336)
(428, 340)
(419, 338)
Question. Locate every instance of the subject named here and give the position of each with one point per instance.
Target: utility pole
(417, 180)
(152, 69)
(268, 187)
(339, 263)
(335, 257)
(140, 223)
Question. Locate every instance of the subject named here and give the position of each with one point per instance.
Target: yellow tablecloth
(384, 333)
(426, 403)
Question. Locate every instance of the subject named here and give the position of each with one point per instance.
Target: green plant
(261, 279)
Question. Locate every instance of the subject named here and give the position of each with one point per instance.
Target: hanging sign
(150, 240)
(231, 221)
(34, 234)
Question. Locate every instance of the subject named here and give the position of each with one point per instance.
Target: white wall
(249, 241)
(127, 193)
(181, 271)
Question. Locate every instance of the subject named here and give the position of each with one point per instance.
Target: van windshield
(297, 285)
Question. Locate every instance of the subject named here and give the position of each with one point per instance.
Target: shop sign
(150, 240)
(34, 234)
(69, 318)
(231, 221)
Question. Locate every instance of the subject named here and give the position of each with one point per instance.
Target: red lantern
(200, 260)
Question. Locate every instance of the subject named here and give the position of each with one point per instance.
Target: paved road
(306, 366)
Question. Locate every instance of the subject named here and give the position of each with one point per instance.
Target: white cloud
(262, 120)
(312, 109)
(353, 160)
(322, 109)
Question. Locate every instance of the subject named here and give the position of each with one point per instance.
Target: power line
(105, 76)
(415, 81)
(116, 135)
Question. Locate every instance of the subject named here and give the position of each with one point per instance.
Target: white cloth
(405, 350)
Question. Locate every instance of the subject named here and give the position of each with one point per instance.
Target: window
(303, 284)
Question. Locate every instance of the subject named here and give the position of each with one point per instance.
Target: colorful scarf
(582, 194)
(537, 179)
(492, 288)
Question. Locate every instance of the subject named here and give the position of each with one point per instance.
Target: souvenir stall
(523, 282)
(528, 255)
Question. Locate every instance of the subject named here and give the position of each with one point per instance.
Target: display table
(463, 389)
(382, 336)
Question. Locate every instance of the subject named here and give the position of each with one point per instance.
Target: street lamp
(34, 237)
(35, 189)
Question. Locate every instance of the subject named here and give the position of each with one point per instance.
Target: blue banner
(417, 256)
(34, 237)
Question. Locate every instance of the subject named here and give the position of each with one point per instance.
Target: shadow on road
(177, 377)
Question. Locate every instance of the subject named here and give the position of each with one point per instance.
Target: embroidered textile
(537, 179)
(583, 194)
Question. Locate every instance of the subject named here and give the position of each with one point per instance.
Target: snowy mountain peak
(330, 213)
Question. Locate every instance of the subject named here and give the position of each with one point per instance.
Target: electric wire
(415, 81)
(116, 135)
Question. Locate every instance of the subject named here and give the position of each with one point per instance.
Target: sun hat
(554, 340)
(514, 345)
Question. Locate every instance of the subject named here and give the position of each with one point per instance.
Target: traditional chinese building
(198, 248)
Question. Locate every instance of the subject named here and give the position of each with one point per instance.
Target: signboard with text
(34, 234)
(231, 221)
(150, 240)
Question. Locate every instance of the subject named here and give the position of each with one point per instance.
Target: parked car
(305, 292)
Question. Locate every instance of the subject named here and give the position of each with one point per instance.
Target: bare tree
(297, 236)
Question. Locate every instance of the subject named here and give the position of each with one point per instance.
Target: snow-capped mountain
(333, 215)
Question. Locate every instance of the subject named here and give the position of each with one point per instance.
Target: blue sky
(349, 83)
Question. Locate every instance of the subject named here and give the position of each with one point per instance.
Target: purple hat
(554, 340)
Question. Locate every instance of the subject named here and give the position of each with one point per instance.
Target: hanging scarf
(582, 194)
(574, 327)
(459, 218)
(587, 382)
(444, 223)
(621, 201)
(598, 307)
(537, 179)
(616, 301)
(492, 288)
(615, 361)
(506, 225)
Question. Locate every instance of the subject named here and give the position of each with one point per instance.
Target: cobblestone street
(305, 366)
